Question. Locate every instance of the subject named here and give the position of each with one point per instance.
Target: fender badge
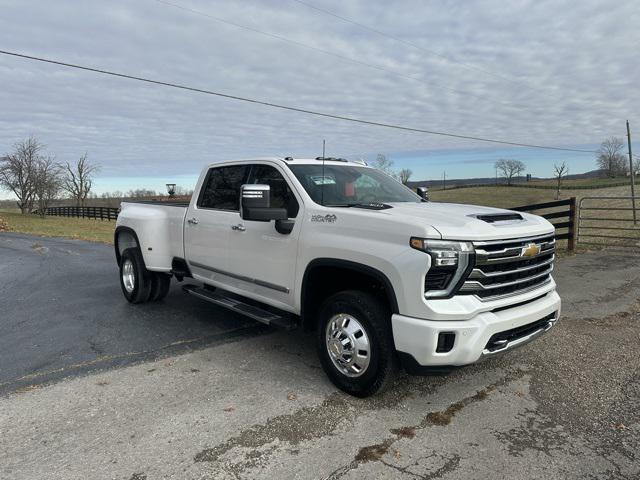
(329, 218)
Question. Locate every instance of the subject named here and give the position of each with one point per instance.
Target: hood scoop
(498, 217)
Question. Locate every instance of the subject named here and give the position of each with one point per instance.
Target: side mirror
(423, 192)
(255, 204)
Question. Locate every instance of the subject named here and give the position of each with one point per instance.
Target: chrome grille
(501, 269)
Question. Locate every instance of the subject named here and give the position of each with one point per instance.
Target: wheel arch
(342, 275)
(123, 238)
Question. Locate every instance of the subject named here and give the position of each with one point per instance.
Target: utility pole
(633, 177)
(444, 180)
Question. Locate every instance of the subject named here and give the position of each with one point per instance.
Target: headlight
(450, 261)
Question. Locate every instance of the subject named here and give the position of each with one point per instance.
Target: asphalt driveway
(96, 388)
(63, 314)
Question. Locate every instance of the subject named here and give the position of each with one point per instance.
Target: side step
(261, 315)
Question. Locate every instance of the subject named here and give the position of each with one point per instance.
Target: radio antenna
(322, 184)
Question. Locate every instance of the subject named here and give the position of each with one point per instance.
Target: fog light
(445, 342)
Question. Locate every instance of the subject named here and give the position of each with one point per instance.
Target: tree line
(36, 178)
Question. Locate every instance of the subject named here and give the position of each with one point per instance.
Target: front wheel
(355, 343)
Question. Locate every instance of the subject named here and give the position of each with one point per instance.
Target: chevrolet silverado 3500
(385, 277)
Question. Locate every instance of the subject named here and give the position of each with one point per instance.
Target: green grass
(78, 228)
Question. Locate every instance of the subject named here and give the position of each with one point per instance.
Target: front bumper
(416, 339)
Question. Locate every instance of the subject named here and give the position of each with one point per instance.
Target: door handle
(239, 227)
(193, 221)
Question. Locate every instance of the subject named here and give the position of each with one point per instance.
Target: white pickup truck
(384, 276)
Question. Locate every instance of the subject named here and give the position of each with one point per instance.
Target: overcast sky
(560, 73)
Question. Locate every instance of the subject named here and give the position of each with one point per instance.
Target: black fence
(568, 218)
(98, 213)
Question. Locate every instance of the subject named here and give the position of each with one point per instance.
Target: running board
(238, 306)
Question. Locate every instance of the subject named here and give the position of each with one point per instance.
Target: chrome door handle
(193, 221)
(240, 227)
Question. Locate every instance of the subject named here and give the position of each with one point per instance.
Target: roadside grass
(77, 228)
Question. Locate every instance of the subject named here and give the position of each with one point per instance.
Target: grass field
(583, 182)
(506, 197)
(80, 228)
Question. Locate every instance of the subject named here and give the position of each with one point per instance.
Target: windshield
(345, 185)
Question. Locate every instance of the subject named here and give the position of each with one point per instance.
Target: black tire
(375, 319)
(160, 283)
(139, 293)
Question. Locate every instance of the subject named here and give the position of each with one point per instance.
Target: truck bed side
(157, 227)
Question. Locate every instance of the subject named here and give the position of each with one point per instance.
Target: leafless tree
(47, 182)
(383, 163)
(610, 157)
(510, 168)
(404, 175)
(17, 171)
(78, 179)
(560, 171)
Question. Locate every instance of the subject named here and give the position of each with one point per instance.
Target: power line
(418, 47)
(333, 54)
(287, 107)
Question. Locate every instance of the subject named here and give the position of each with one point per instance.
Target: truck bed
(159, 227)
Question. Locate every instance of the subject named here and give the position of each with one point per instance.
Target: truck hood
(461, 222)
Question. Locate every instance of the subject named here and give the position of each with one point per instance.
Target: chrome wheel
(348, 345)
(128, 276)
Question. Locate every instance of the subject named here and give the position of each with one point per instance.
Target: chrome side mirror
(423, 193)
(255, 204)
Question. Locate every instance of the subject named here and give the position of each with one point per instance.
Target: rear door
(209, 221)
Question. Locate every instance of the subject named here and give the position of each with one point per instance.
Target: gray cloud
(575, 56)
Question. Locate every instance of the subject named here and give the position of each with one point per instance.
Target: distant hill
(450, 182)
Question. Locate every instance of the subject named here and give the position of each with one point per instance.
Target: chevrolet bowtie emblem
(530, 250)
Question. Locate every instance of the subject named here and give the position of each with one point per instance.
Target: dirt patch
(373, 453)
(444, 417)
(404, 432)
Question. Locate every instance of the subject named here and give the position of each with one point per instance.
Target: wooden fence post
(573, 228)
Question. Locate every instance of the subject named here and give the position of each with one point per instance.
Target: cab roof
(299, 161)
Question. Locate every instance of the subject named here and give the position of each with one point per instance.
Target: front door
(263, 260)
(209, 220)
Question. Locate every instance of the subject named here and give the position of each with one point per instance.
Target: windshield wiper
(369, 205)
